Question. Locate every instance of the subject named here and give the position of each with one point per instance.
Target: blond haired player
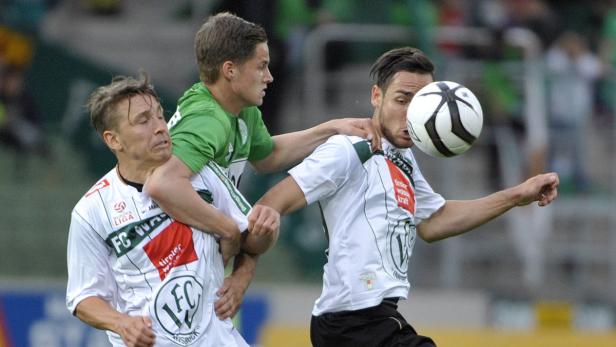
(146, 278)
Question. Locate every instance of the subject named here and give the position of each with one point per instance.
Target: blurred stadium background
(543, 70)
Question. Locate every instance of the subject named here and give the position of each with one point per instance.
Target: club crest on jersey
(400, 241)
(178, 309)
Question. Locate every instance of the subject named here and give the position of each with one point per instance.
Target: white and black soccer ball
(444, 119)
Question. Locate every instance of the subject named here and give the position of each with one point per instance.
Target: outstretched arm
(459, 216)
(169, 185)
(285, 197)
(291, 148)
(134, 330)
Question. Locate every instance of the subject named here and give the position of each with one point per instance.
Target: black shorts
(379, 326)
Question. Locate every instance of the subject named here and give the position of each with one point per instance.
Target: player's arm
(134, 330)
(285, 197)
(90, 286)
(456, 217)
(235, 285)
(169, 185)
(290, 149)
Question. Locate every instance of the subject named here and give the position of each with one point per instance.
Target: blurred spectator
(452, 13)
(608, 55)
(103, 7)
(572, 71)
(16, 49)
(21, 127)
(536, 16)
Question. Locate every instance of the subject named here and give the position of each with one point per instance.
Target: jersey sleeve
(89, 270)
(324, 171)
(428, 201)
(225, 196)
(261, 144)
(197, 140)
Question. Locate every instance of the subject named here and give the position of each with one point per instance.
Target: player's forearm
(285, 197)
(291, 148)
(97, 313)
(253, 244)
(244, 267)
(170, 187)
(457, 217)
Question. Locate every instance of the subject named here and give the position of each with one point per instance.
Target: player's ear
(111, 139)
(229, 70)
(376, 96)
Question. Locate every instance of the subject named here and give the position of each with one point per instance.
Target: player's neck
(224, 95)
(134, 173)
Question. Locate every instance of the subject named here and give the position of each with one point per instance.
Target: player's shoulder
(197, 100)
(102, 188)
(346, 139)
(353, 145)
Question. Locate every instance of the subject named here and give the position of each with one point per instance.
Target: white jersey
(371, 204)
(124, 249)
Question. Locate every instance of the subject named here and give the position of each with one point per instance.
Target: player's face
(391, 104)
(141, 133)
(253, 77)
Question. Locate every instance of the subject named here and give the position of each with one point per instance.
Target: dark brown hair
(225, 37)
(399, 59)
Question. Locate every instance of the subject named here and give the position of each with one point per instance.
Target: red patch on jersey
(402, 188)
(98, 186)
(172, 247)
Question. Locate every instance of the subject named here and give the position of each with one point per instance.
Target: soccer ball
(444, 119)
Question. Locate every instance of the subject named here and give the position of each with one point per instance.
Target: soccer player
(217, 120)
(133, 270)
(374, 204)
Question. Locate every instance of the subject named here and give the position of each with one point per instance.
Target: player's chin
(162, 155)
(258, 101)
(403, 142)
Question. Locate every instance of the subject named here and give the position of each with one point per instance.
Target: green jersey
(201, 130)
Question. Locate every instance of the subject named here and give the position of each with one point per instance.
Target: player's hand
(229, 247)
(230, 296)
(263, 220)
(541, 188)
(136, 331)
(361, 127)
